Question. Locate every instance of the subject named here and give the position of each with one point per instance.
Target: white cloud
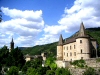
(82, 10)
(22, 25)
(47, 38)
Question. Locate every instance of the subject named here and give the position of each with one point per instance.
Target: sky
(37, 22)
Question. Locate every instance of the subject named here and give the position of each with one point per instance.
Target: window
(67, 47)
(81, 50)
(64, 53)
(67, 54)
(80, 41)
(70, 54)
(81, 57)
(64, 48)
(70, 47)
(74, 53)
(74, 46)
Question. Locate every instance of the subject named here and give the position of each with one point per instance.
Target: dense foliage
(78, 63)
(13, 58)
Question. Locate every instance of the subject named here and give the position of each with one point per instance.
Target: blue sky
(36, 22)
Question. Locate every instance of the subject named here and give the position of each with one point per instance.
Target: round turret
(60, 49)
(83, 48)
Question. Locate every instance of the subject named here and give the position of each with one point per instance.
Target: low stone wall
(89, 62)
(80, 71)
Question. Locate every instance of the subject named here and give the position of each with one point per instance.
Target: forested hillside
(38, 49)
(51, 48)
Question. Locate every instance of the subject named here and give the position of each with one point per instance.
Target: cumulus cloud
(82, 10)
(22, 25)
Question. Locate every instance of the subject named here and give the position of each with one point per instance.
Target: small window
(80, 41)
(67, 47)
(81, 57)
(74, 46)
(74, 53)
(64, 48)
(70, 54)
(64, 53)
(81, 50)
(70, 47)
(67, 54)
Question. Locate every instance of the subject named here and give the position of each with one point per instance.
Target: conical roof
(60, 40)
(82, 30)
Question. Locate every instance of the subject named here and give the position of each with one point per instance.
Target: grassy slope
(51, 48)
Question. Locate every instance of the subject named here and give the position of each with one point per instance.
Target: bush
(50, 72)
(78, 63)
(62, 71)
(90, 71)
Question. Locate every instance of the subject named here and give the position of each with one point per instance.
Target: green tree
(90, 71)
(31, 71)
(4, 52)
(51, 62)
(16, 58)
(50, 72)
(13, 71)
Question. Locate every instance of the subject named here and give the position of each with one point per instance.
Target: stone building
(80, 46)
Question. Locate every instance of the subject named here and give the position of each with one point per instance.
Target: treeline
(50, 49)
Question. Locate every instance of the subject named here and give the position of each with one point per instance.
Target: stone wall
(80, 71)
(92, 62)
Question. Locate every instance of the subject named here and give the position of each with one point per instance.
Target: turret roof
(60, 40)
(82, 32)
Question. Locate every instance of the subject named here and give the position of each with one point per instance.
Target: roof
(80, 34)
(60, 40)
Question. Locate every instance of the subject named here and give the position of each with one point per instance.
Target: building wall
(69, 52)
(28, 59)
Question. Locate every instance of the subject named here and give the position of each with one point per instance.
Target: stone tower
(11, 45)
(60, 48)
(83, 44)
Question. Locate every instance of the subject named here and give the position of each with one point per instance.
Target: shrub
(78, 63)
(90, 71)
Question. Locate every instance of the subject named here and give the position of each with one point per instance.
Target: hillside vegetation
(51, 48)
